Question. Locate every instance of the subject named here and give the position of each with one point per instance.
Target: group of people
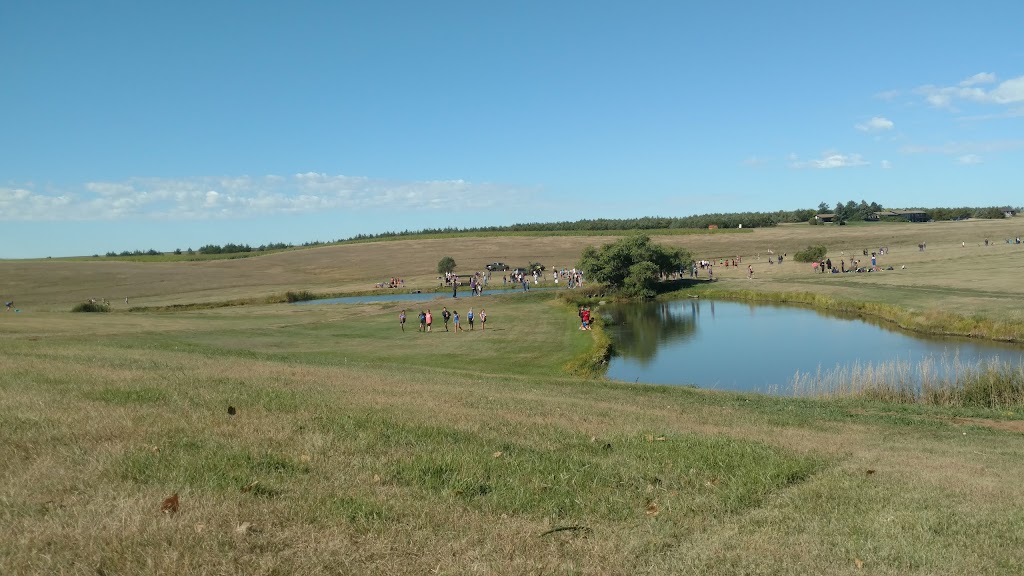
(393, 283)
(426, 319)
(476, 283)
(827, 266)
(585, 318)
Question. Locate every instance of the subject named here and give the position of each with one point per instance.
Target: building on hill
(1009, 212)
(909, 215)
(825, 218)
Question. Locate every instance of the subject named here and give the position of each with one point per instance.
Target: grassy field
(357, 448)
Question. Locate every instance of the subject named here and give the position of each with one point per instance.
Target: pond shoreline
(929, 322)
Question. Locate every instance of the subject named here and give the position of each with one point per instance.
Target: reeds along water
(947, 382)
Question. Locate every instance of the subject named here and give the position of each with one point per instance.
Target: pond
(761, 348)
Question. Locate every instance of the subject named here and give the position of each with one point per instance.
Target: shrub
(811, 254)
(91, 307)
(300, 296)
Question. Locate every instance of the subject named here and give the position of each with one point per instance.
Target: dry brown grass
(975, 279)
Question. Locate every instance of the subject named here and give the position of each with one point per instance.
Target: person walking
(446, 316)
(750, 271)
(401, 320)
(455, 321)
(483, 320)
(429, 318)
(469, 316)
(423, 322)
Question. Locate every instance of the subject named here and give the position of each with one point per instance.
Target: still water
(760, 348)
(414, 296)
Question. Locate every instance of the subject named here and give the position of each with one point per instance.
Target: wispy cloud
(829, 160)
(876, 124)
(885, 164)
(240, 197)
(972, 89)
(952, 148)
(1011, 113)
(754, 161)
(979, 78)
(969, 159)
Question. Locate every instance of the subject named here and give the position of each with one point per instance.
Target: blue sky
(134, 125)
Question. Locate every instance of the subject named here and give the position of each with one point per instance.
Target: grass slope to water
(356, 448)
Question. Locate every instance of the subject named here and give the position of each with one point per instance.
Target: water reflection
(740, 346)
(641, 330)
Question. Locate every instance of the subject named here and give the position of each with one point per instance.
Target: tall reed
(949, 382)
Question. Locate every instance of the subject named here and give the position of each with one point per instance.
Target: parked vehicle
(497, 267)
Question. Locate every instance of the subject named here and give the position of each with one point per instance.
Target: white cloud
(888, 95)
(241, 197)
(979, 78)
(885, 164)
(969, 159)
(830, 160)
(1007, 92)
(755, 161)
(876, 124)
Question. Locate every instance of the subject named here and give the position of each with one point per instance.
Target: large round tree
(632, 264)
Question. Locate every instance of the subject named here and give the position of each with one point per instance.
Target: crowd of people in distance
(826, 266)
(570, 278)
(393, 283)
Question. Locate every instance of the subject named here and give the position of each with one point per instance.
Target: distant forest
(851, 211)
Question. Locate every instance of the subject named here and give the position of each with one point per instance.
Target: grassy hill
(354, 447)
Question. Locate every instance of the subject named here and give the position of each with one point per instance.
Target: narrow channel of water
(416, 296)
(760, 347)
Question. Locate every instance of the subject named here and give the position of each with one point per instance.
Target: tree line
(207, 249)
(852, 211)
(844, 212)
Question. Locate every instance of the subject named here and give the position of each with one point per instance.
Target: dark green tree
(632, 264)
(445, 265)
(841, 213)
